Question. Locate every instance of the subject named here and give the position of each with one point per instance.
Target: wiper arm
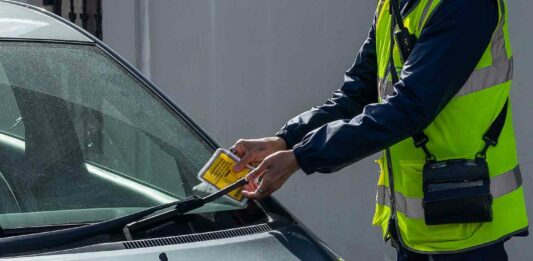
(32, 242)
(188, 204)
(23, 243)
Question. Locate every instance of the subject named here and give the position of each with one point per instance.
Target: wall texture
(241, 68)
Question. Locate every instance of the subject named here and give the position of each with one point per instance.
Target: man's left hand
(274, 170)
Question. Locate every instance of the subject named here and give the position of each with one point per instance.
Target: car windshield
(82, 140)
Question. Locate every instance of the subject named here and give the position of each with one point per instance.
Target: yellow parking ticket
(218, 173)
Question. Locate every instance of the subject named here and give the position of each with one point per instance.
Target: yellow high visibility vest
(455, 133)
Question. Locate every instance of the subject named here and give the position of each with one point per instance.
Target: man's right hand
(254, 151)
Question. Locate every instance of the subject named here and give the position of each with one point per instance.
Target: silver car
(89, 147)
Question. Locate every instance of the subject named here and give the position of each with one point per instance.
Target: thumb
(257, 172)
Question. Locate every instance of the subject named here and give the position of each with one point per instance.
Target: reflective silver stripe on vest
(424, 15)
(412, 207)
(380, 6)
(487, 77)
(385, 88)
(501, 69)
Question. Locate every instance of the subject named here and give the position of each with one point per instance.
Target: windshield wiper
(32, 242)
(184, 206)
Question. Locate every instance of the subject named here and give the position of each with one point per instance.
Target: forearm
(338, 144)
(358, 90)
(332, 110)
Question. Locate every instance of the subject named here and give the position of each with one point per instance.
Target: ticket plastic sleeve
(218, 173)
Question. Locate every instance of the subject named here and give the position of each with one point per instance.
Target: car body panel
(289, 243)
(20, 22)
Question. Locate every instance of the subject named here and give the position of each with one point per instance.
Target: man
(454, 86)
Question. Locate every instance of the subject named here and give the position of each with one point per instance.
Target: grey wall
(241, 68)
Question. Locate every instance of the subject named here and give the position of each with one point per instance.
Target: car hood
(289, 243)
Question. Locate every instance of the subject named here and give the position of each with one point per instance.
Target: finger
(250, 187)
(236, 151)
(254, 185)
(238, 148)
(247, 187)
(263, 188)
(263, 191)
(256, 173)
(254, 163)
(243, 162)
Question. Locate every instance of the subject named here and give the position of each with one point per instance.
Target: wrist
(294, 162)
(277, 144)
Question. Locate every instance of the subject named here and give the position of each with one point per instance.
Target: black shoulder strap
(495, 129)
(419, 138)
(393, 226)
(493, 133)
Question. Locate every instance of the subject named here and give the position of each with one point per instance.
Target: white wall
(241, 68)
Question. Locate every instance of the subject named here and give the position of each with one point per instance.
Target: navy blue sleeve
(358, 90)
(444, 56)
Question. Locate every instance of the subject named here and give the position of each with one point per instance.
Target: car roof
(22, 21)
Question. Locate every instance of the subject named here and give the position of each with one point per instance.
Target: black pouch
(457, 191)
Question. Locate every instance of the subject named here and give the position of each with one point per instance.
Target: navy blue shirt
(352, 125)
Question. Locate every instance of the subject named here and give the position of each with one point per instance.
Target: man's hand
(274, 170)
(254, 151)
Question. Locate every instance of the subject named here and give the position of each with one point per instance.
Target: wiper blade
(33, 242)
(187, 205)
